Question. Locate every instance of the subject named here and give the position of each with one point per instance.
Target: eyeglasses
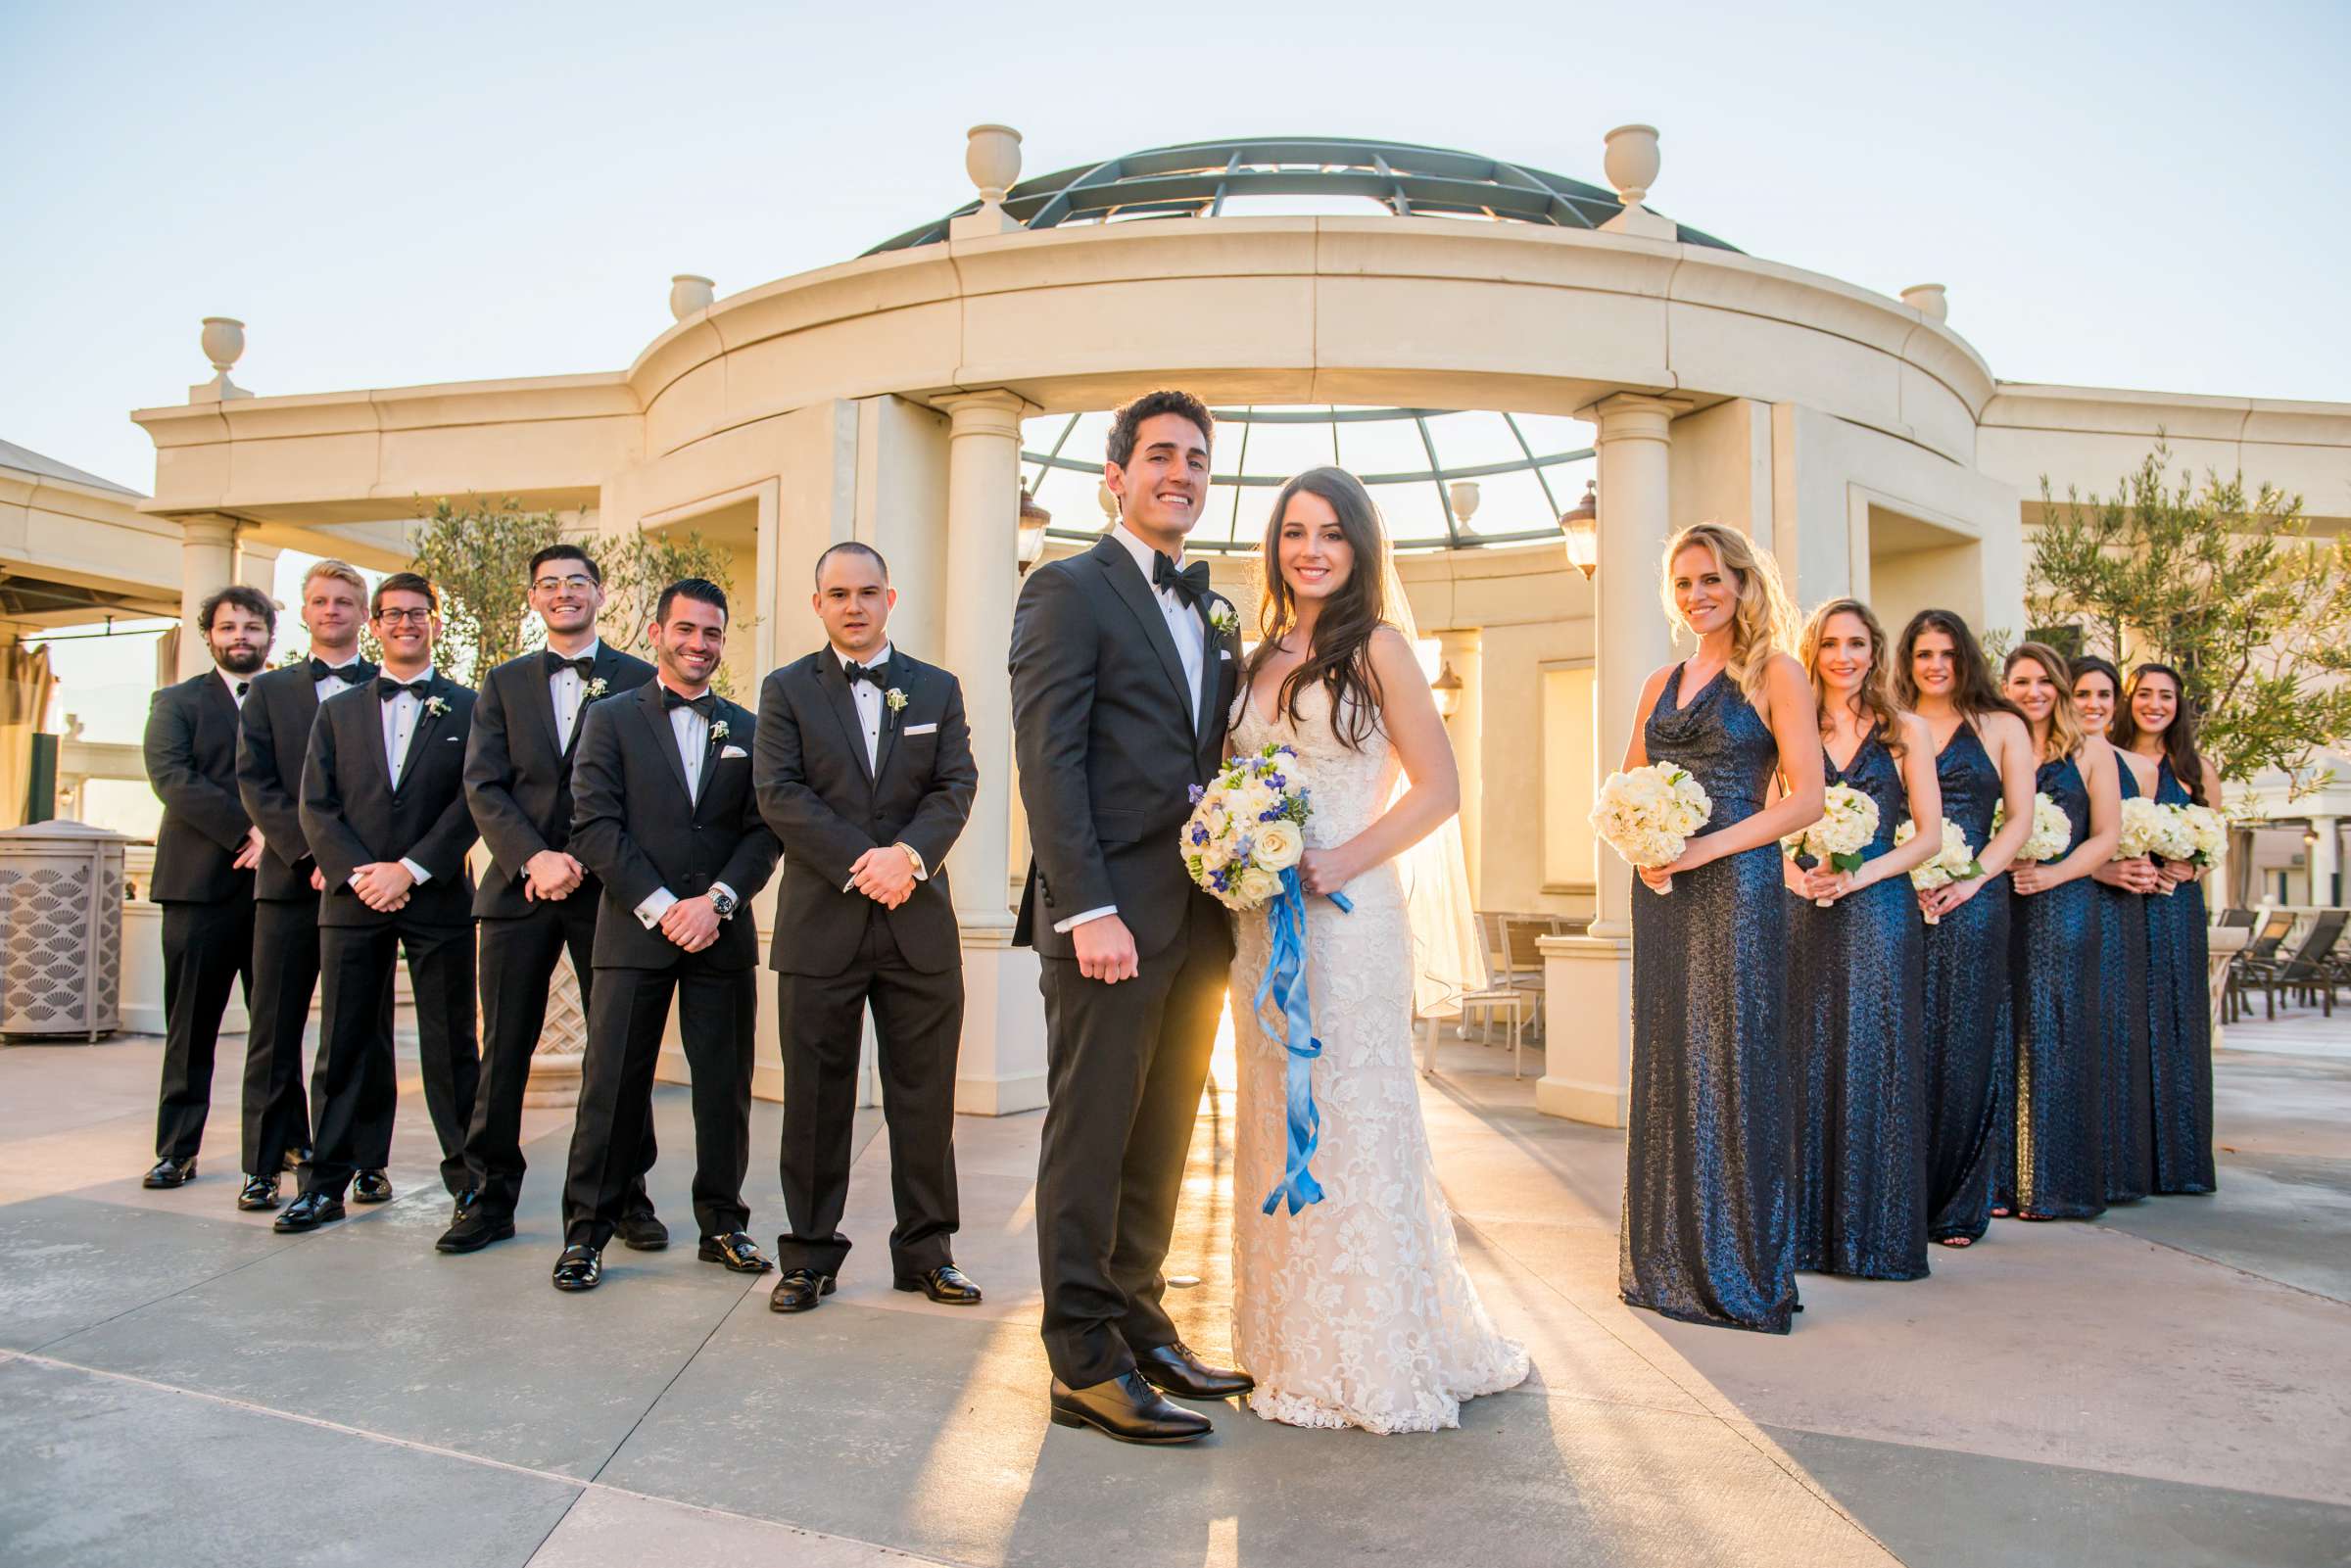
(409, 617)
(563, 584)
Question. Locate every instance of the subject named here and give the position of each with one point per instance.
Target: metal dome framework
(1199, 179)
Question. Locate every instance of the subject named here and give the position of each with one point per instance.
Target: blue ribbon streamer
(1285, 979)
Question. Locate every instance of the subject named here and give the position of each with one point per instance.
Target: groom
(1123, 672)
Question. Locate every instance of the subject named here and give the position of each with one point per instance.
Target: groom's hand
(1106, 950)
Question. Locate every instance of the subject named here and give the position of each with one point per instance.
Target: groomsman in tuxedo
(864, 770)
(663, 815)
(204, 853)
(538, 901)
(383, 810)
(273, 736)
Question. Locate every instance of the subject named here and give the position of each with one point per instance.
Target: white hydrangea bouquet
(2051, 835)
(1248, 827)
(1849, 821)
(2207, 829)
(1954, 862)
(2173, 838)
(1649, 814)
(2145, 826)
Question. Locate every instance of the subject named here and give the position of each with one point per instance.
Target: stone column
(256, 567)
(207, 565)
(1001, 1064)
(2325, 860)
(1462, 652)
(1588, 980)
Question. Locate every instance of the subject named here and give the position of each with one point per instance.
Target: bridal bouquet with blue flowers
(1242, 843)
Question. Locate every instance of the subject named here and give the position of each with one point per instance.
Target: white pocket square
(451, 740)
(732, 751)
(921, 729)
(1225, 654)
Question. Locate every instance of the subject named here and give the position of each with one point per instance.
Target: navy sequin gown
(1856, 1024)
(2123, 983)
(2060, 1084)
(2180, 1025)
(1709, 1233)
(1969, 1049)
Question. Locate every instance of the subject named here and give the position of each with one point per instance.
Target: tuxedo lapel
(1127, 581)
(843, 703)
(890, 721)
(542, 702)
(663, 737)
(426, 722)
(370, 713)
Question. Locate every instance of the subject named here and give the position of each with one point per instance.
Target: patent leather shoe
(1127, 1408)
(371, 1187)
(1175, 1369)
(644, 1232)
(799, 1290)
(736, 1250)
(580, 1268)
(309, 1212)
(261, 1193)
(474, 1229)
(170, 1173)
(946, 1284)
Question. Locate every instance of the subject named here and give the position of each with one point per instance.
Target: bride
(1356, 1310)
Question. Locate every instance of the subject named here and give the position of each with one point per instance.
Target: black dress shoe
(1175, 1369)
(261, 1193)
(309, 1212)
(1125, 1408)
(295, 1158)
(475, 1228)
(172, 1173)
(371, 1187)
(644, 1232)
(946, 1283)
(799, 1290)
(580, 1268)
(736, 1250)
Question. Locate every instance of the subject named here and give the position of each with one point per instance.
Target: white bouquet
(1954, 862)
(1849, 822)
(2207, 829)
(1248, 828)
(1649, 814)
(2145, 826)
(2051, 835)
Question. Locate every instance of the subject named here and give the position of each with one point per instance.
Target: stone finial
(1927, 299)
(689, 292)
(224, 341)
(1109, 503)
(991, 155)
(1632, 163)
(1462, 496)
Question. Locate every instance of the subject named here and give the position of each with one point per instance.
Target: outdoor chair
(2248, 962)
(1498, 994)
(2305, 973)
(1524, 960)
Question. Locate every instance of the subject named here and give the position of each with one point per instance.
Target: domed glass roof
(1290, 175)
(1443, 479)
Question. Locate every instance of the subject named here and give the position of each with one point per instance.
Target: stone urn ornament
(689, 293)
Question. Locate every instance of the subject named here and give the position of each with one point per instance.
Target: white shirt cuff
(416, 871)
(722, 887)
(656, 904)
(1065, 927)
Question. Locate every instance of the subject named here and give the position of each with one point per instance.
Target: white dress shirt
(692, 732)
(401, 717)
(327, 686)
(238, 686)
(868, 698)
(565, 689)
(1192, 647)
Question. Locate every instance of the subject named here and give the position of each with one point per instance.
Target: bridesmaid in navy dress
(1856, 1011)
(1983, 759)
(1709, 1223)
(2156, 725)
(2060, 1158)
(2122, 889)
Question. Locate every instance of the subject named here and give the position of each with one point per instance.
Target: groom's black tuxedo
(838, 952)
(1109, 741)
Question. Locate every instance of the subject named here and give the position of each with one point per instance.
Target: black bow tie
(243, 687)
(706, 705)
(870, 674)
(557, 663)
(351, 674)
(386, 688)
(1192, 582)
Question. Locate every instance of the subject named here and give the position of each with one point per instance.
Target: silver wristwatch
(724, 902)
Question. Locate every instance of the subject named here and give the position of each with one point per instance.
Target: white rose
(1257, 886)
(1279, 844)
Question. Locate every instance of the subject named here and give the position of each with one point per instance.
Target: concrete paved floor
(180, 1385)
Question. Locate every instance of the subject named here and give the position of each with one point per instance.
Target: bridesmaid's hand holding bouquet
(1847, 822)
(1649, 814)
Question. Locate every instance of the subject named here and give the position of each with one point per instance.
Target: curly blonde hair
(1877, 707)
(1764, 622)
(2066, 733)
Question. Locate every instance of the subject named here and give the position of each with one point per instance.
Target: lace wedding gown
(1355, 1311)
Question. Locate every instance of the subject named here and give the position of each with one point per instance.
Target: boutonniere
(1225, 618)
(435, 706)
(598, 687)
(718, 732)
(896, 698)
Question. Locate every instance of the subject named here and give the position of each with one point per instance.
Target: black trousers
(207, 949)
(355, 1090)
(519, 969)
(1125, 1066)
(918, 1023)
(717, 1016)
(285, 973)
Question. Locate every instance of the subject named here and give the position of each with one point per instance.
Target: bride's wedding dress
(1356, 1310)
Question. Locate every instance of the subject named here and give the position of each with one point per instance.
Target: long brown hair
(2066, 733)
(1762, 623)
(1876, 707)
(2179, 741)
(1340, 658)
(1974, 693)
